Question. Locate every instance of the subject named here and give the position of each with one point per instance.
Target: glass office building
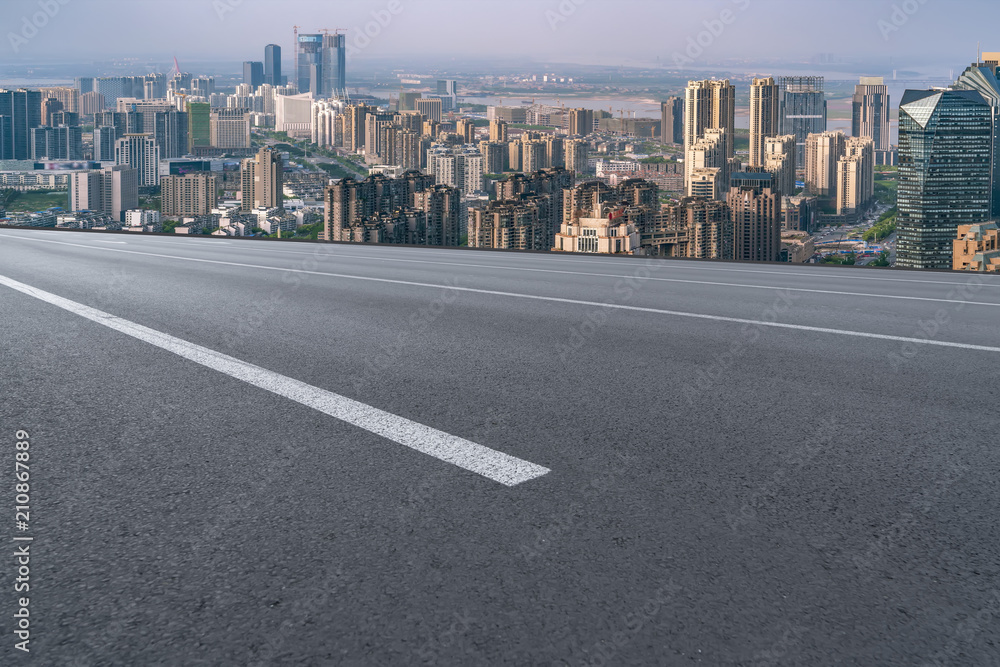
(945, 140)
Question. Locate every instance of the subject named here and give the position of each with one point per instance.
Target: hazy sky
(588, 31)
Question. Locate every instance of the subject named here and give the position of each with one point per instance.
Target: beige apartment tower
(763, 117)
(708, 104)
(856, 176)
(823, 150)
(188, 194)
(779, 161)
(263, 181)
(708, 166)
(498, 131)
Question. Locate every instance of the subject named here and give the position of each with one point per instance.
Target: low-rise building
(605, 230)
(977, 248)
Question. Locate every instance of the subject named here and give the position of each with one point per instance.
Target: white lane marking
(664, 280)
(680, 264)
(105, 241)
(499, 467)
(552, 299)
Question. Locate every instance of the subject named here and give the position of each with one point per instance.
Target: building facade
(870, 112)
(764, 109)
(188, 194)
(803, 109)
(944, 173)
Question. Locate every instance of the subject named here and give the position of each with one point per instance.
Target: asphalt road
(733, 464)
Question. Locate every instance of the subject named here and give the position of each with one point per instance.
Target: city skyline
(673, 34)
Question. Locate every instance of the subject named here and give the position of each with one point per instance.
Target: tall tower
(308, 52)
(944, 172)
(708, 104)
(263, 180)
(870, 112)
(140, 152)
(272, 65)
(983, 78)
(672, 121)
(334, 61)
(803, 109)
(763, 117)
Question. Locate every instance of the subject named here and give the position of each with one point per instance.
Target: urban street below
(595, 460)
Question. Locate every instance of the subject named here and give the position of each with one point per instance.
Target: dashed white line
(497, 466)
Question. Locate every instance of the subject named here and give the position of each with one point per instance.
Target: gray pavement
(721, 491)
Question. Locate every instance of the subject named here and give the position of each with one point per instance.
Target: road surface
(246, 452)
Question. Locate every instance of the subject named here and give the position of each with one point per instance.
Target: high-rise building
(68, 96)
(272, 65)
(229, 128)
(550, 186)
(50, 105)
(856, 176)
(779, 161)
(555, 151)
(140, 152)
(23, 109)
(498, 130)
(756, 216)
(91, 102)
(353, 209)
(104, 143)
(494, 156)
(581, 122)
(944, 172)
(253, 73)
(764, 106)
(199, 125)
(64, 142)
(870, 112)
(467, 130)
(577, 154)
(534, 156)
(407, 101)
(803, 110)
(822, 152)
(442, 206)
(460, 167)
(707, 157)
(518, 224)
(708, 104)
(672, 121)
(188, 194)
(983, 78)
(334, 66)
(112, 190)
(170, 129)
(263, 180)
(430, 108)
(309, 57)
(447, 87)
